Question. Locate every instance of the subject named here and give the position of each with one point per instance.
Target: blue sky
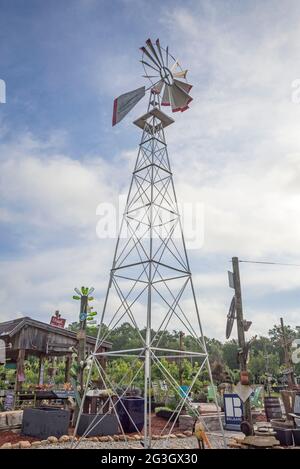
(64, 62)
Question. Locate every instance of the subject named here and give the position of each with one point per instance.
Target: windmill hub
(166, 76)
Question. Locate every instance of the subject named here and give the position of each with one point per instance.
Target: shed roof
(10, 328)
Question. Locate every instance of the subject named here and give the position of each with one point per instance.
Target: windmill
(150, 283)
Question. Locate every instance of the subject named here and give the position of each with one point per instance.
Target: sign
(9, 401)
(233, 410)
(230, 279)
(57, 322)
(243, 391)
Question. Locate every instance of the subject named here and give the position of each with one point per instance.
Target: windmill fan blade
(150, 76)
(158, 86)
(151, 47)
(148, 65)
(167, 56)
(175, 64)
(181, 74)
(159, 50)
(165, 97)
(184, 86)
(143, 49)
(179, 98)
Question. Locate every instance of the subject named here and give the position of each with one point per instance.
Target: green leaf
(75, 297)
(83, 290)
(91, 298)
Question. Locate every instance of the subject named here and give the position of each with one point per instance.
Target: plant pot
(134, 407)
(296, 436)
(156, 404)
(167, 414)
(43, 422)
(101, 424)
(285, 436)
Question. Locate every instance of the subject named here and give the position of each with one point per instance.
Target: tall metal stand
(150, 283)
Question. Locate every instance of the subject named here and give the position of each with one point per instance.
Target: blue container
(135, 408)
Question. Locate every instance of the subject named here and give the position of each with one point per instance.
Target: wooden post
(240, 330)
(20, 375)
(41, 369)
(287, 360)
(68, 362)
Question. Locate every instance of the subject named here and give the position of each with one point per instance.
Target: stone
(94, 438)
(15, 446)
(3, 420)
(36, 444)
(155, 437)
(137, 437)
(110, 438)
(122, 438)
(24, 444)
(180, 435)
(188, 433)
(131, 438)
(64, 438)
(103, 439)
(116, 437)
(6, 446)
(52, 439)
(172, 435)
(14, 418)
(44, 442)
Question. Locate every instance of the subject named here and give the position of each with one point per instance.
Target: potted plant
(166, 413)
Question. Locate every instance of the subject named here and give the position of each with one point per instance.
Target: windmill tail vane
(166, 77)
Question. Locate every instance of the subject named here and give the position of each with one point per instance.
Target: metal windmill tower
(150, 284)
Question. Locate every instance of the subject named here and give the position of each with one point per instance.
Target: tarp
(124, 103)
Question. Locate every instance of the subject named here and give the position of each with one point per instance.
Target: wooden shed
(26, 337)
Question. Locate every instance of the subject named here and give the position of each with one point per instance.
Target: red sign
(57, 322)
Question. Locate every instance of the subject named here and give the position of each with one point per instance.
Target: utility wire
(270, 263)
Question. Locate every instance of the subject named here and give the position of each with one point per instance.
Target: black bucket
(296, 436)
(98, 424)
(135, 408)
(273, 408)
(285, 436)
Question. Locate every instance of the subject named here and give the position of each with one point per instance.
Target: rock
(3, 420)
(172, 435)
(64, 438)
(6, 446)
(52, 439)
(138, 437)
(131, 438)
(94, 438)
(116, 437)
(180, 435)
(122, 438)
(14, 417)
(163, 437)
(110, 438)
(103, 439)
(155, 437)
(44, 442)
(15, 446)
(24, 444)
(36, 444)
(188, 433)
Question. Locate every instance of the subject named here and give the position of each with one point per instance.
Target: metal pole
(82, 341)
(240, 331)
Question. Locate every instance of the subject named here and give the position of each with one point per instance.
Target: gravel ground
(176, 443)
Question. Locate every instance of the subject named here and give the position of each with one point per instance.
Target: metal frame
(145, 264)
